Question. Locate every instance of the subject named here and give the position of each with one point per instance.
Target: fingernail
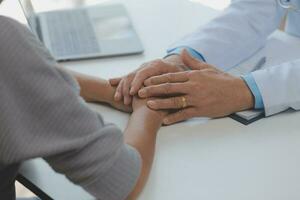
(142, 93)
(166, 121)
(117, 96)
(151, 104)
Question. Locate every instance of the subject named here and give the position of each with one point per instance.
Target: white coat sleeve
(279, 87)
(236, 34)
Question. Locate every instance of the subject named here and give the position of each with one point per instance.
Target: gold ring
(184, 104)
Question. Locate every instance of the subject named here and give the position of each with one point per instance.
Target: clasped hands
(185, 88)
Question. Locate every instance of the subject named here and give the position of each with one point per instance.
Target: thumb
(192, 62)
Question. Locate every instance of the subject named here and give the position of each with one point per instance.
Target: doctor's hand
(207, 92)
(130, 84)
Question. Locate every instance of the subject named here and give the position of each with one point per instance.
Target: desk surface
(199, 159)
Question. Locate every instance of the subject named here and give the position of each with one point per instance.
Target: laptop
(84, 32)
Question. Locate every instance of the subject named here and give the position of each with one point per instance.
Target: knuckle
(145, 65)
(151, 81)
(145, 72)
(149, 72)
(128, 75)
(131, 75)
(150, 91)
(175, 102)
(157, 62)
(169, 77)
(155, 80)
(159, 65)
(190, 74)
(139, 75)
(160, 104)
(167, 88)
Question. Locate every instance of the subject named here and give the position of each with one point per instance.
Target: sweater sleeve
(42, 115)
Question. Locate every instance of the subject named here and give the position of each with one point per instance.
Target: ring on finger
(184, 103)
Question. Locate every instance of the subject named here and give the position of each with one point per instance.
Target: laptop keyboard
(71, 33)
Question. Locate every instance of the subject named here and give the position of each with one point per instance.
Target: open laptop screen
(30, 14)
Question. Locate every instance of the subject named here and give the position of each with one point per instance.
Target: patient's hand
(139, 103)
(94, 89)
(109, 98)
(120, 106)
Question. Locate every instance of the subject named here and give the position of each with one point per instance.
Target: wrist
(108, 93)
(99, 91)
(94, 89)
(155, 116)
(246, 97)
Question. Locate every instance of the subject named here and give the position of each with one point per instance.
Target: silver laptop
(85, 32)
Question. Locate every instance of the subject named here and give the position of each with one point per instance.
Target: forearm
(141, 134)
(93, 88)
